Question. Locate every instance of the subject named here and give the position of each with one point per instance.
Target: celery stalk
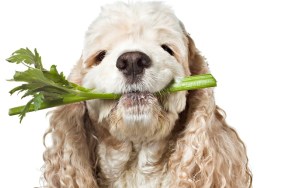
(186, 83)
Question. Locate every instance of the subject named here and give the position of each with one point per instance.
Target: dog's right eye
(96, 59)
(99, 58)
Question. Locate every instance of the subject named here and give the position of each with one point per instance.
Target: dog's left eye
(167, 49)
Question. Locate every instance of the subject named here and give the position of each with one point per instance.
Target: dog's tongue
(135, 99)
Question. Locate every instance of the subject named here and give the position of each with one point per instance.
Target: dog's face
(136, 51)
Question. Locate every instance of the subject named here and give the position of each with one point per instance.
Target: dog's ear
(70, 159)
(197, 63)
(208, 152)
(77, 72)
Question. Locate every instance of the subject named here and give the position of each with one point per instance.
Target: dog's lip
(136, 94)
(136, 98)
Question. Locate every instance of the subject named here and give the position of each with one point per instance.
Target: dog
(145, 140)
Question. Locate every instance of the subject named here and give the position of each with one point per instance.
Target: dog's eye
(101, 55)
(167, 49)
(96, 59)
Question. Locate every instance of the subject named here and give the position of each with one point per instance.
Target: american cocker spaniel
(142, 140)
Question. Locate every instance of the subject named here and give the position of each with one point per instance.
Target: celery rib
(187, 83)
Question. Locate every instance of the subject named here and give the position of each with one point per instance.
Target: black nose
(132, 64)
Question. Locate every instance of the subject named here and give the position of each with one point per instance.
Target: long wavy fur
(206, 153)
(70, 161)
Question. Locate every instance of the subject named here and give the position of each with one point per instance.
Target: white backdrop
(240, 39)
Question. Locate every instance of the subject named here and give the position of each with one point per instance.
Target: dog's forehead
(151, 21)
(145, 14)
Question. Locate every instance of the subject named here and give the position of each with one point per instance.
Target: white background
(240, 39)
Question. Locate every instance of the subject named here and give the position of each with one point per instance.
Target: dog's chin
(138, 116)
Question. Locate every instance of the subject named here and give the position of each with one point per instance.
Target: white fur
(135, 27)
(142, 140)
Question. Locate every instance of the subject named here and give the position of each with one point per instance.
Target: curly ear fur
(208, 153)
(70, 161)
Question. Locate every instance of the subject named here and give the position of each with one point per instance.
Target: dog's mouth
(136, 98)
(137, 107)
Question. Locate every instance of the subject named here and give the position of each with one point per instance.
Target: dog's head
(136, 50)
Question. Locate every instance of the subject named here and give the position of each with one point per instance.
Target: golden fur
(192, 148)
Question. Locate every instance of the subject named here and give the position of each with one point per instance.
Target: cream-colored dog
(142, 139)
